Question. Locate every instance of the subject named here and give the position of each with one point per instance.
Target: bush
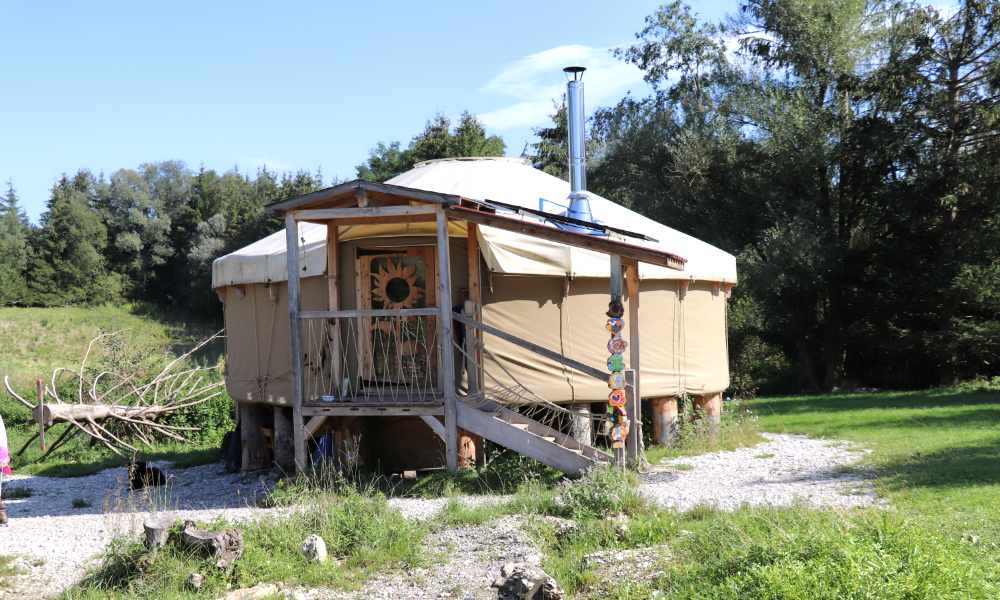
(602, 491)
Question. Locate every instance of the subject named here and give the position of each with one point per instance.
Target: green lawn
(936, 453)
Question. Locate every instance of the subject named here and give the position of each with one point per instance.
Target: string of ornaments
(617, 426)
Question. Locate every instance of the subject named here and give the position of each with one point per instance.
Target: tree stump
(581, 424)
(226, 546)
(664, 420)
(284, 439)
(709, 410)
(252, 418)
(157, 530)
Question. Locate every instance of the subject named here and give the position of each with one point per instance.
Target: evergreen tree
(14, 232)
(550, 153)
(437, 140)
(68, 264)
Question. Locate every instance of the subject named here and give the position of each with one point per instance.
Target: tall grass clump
(738, 429)
(601, 492)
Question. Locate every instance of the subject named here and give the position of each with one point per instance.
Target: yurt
(469, 299)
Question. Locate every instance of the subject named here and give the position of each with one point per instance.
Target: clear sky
(110, 85)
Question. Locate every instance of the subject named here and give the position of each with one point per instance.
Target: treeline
(148, 234)
(848, 153)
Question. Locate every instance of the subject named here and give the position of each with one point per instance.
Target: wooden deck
(374, 406)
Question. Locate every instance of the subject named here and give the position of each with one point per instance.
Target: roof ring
(520, 161)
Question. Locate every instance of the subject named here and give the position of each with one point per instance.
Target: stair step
(548, 438)
(521, 426)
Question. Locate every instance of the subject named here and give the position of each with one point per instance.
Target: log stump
(252, 418)
(157, 530)
(284, 440)
(225, 546)
(581, 426)
(709, 409)
(664, 420)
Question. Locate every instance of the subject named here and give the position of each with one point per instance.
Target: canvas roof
(506, 180)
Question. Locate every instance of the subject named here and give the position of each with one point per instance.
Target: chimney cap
(576, 72)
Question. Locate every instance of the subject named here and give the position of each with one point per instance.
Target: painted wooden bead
(616, 363)
(617, 345)
(617, 380)
(619, 433)
(617, 398)
(615, 326)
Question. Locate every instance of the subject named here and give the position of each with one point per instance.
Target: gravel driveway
(45, 525)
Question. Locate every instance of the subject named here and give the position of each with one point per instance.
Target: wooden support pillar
(252, 418)
(633, 397)
(468, 449)
(284, 441)
(333, 302)
(582, 426)
(475, 295)
(295, 330)
(664, 420)
(709, 409)
(446, 336)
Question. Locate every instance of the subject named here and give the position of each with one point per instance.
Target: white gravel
(45, 527)
(785, 469)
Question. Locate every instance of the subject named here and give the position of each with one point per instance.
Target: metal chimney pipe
(577, 134)
(579, 199)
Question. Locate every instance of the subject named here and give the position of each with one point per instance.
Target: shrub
(603, 490)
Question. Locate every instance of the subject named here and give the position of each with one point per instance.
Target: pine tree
(550, 153)
(14, 231)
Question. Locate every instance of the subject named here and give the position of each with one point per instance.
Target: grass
(17, 492)
(36, 341)
(934, 454)
(738, 430)
(8, 570)
(769, 455)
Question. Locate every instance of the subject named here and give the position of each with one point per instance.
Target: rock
(314, 549)
(258, 591)
(195, 580)
(533, 559)
(525, 581)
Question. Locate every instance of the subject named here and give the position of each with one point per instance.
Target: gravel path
(785, 469)
(46, 527)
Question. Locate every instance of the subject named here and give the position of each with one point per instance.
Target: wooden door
(398, 351)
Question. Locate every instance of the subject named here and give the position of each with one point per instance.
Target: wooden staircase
(523, 435)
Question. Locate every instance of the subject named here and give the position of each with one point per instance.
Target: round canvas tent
(552, 295)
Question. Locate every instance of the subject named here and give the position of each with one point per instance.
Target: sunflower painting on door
(398, 347)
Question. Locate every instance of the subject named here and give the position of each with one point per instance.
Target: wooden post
(284, 441)
(475, 295)
(446, 336)
(633, 398)
(664, 420)
(616, 290)
(468, 450)
(582, 426)
(333, 301)
(252, 418)
(709, 409)
(295, 330)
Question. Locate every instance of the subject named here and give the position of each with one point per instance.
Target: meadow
(934, 457)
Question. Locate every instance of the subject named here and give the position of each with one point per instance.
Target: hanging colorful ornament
(619, 433)
(617, 380)
(616, 363)
(617, 398)
(617, 345)
(615, 326)
(615, 309)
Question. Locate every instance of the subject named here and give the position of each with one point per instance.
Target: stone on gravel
(261, 590)
(525, 581)
(195, 580)
(314, 549)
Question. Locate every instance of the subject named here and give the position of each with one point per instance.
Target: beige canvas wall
(683, 343)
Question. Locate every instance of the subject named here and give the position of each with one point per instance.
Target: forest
(846, 152)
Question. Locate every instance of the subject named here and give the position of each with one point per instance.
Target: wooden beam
(375, 220)
(559, 358)
(348, 191)
(633, 405)
(664, 411)
(346, 409)
(447, 350)
(365, 212)
(349, 314)
(472, 335)
(295, 329)
(569, 238)
(333, 301)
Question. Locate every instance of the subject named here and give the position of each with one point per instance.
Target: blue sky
(110, 85)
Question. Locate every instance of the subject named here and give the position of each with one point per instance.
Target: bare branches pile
(114, 407)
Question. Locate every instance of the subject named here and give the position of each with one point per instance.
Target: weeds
(737, 429)
(8, 570)
(17, 493)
